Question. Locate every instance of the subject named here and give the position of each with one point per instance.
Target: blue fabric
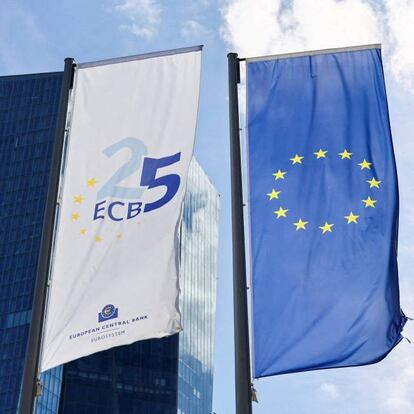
(325, 290)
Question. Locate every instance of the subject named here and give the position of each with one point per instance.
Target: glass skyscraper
(28, 113)
(199, 236)
(157, 376)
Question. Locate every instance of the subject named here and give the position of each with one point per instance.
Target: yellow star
(78, 199)
(297, 159)
(374, 183)
(119, 236)
(352, 218)
(279, 175)
(320, 154)
(75, 216)
(345, 154)
(326, 227)
(273, 194)
(281, 212)
(369, 202)
(300, 224)
(98, 239)
(365, 164)
(82, 231)
(91, 182)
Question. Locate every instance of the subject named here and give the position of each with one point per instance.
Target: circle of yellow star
(98, 239)
(82, 231)
(273, 194)
(78, 199)
(297, 159)
(91, 182)
(369, 202)
(75, 216)
(352, 218)
(279, 175)
(320, 154)
(281, 212)
(374, 183)
(326, 227)
(300, 224)
(345, 154)
(365, 164)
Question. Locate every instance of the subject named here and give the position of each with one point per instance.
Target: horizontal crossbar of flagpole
(139, 57)
(312, 52)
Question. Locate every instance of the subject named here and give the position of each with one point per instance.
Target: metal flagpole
(241, 328)
(31, 387)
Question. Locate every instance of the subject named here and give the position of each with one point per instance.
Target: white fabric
(142, 107)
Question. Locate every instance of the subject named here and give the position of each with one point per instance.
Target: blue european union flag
(323, 212)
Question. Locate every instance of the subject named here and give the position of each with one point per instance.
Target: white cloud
(267, 26)
(251, 27)
(193, 29)
(260, 27)
(348, 22)
(400, 18)
(144, 17)
(396, 382)
(330, 390)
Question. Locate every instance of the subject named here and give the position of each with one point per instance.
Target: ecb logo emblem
(108, 312)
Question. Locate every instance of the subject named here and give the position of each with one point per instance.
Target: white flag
(115, 261)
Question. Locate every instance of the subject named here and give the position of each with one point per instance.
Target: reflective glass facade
(138, 379)
(159, 376)
(199, 238)
(51, 380)
(28, 113)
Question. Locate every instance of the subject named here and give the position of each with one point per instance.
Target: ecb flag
(114, 277)
(323, 212)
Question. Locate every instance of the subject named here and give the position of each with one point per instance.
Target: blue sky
(37, 35)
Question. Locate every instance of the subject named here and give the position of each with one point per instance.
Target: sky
(36, 35)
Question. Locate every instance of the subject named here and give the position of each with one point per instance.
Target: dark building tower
(28, 114)
(159, 376)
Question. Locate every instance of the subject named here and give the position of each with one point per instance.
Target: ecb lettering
(118, 210)
(124, 210)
